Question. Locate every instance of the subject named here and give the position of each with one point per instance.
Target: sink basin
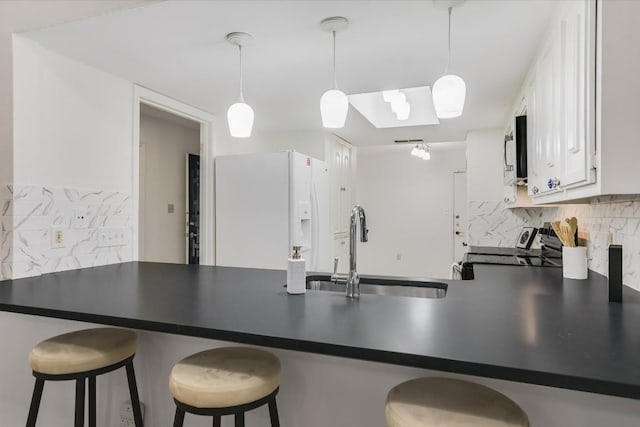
(380, 285)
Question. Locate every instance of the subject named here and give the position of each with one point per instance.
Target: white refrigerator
(266, 204)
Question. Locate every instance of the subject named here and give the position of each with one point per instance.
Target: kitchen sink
(381, 285)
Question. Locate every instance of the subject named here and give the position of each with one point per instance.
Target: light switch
(170, 208)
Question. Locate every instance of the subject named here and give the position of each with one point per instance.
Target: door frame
(453, 212)
(142, 95)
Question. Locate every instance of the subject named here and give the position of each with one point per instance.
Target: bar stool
(446, 402)
(83, 355)
(225, 381)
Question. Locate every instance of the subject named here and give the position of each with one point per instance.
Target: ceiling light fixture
(421, 151)
(334, 104)
(398, 102)
(449, 91)
(240, 114)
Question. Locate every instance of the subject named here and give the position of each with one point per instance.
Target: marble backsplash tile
(32, 215)
(492, 224)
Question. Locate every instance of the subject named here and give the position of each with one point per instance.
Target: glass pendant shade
(334, 106)
(240, 120)
(448, 94)
(403, 111)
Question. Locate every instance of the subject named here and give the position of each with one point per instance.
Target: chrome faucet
(352, 280)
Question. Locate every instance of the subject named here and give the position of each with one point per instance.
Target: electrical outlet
(113, 236)
(81, 218)
(58, 236)
(126, 414)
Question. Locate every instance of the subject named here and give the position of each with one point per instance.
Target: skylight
(374, 108)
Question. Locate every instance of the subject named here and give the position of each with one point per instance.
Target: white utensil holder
(574, 262)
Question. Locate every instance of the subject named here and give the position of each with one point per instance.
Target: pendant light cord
(241, 95)
(335, 81)
(446, 71)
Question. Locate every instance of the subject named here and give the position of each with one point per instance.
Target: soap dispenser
(296, 276)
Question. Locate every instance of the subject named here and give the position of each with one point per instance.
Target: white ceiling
(178, 48)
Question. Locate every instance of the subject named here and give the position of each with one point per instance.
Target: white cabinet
(340, 156)
(341, 251)
(341, 170)
(577, 111)
(560, 100)
(546, 108)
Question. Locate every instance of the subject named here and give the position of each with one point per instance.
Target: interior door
(193, 209)
(460, 227)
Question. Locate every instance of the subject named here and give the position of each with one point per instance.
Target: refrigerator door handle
(315, 232)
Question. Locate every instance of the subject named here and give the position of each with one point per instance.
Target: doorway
(173, 203)
(169, 206)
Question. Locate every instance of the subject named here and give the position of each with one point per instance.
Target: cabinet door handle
(553, 183)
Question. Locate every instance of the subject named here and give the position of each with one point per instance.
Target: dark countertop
(524, 324)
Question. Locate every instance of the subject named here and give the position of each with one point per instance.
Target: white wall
(72, 122)
(6, 98)
(164, 146)
(310, 143)
(20, 16)
(72, 157)
(409, 205)
(485, 165)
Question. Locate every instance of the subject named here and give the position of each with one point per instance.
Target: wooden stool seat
(446, 402)
(81, 351)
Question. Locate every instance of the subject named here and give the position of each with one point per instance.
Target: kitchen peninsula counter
(524, 324)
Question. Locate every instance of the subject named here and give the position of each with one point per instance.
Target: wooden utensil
(556, 228)
(563, 230)
(567, 235)
(573, 228)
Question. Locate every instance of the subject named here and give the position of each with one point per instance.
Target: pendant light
(334, 104)
(449, 90)
(240, 114)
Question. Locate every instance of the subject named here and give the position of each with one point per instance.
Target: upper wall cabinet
(560, 104)
(583, 118)
(341, 171)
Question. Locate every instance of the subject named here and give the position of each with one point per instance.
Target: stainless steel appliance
(549, 255)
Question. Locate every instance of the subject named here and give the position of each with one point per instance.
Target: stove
(550, 254)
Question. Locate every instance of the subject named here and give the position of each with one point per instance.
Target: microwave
(515, 150)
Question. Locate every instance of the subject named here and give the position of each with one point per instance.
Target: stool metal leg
(178, 420)
(273, 413)
(217, 421)
(239, 419)
(133, 390)
(92, 402)
(35, 403)
(79, 417)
